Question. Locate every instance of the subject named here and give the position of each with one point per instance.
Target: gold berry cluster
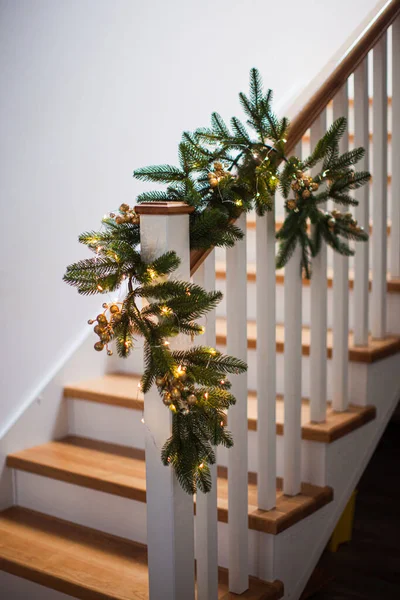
(303, 187)
(214, 177)
(105, 327)
(335, 217)
(177, 392)
(126, 215)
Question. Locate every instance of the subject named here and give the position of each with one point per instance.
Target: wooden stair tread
(120, 470)
(393, 284)
(376, 349)
(119, 389)
(86, 563)
(337, 424)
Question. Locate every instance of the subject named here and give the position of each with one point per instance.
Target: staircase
(89, 508)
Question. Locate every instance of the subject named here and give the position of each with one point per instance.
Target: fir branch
(159, 174)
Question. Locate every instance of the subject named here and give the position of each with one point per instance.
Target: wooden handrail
(325, 93)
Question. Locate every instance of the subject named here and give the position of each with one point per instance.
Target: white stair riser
(107, 423)
(123, 426)
(16, 588)
(105, 512)
(393, 305)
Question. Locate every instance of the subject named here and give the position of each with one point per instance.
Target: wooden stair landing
(374, 351)
(118, 389)
(120, 470)
(86, 563)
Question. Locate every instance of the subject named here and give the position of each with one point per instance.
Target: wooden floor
(368, 568)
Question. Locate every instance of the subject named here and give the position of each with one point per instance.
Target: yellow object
(344, 528)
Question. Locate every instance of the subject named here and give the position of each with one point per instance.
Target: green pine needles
(223, 171)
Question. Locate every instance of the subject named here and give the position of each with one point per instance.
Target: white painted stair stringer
(302, 545)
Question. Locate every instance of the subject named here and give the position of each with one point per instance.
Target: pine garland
(223, 171)
(227, 170)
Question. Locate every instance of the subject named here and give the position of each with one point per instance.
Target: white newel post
(206, 504)
(319, 309)
(395, 231)
(379, 183)
(340, 357)
(266, 359)
(236, 312)
(170, 520)
(361, 259)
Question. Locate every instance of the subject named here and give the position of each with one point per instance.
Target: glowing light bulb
(142, 419)
(99, 288)
(201, 465)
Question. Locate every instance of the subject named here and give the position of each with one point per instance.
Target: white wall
(91, 89)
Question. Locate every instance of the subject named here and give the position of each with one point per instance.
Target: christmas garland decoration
(222, 172)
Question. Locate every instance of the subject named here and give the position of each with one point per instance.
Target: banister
(325, 93)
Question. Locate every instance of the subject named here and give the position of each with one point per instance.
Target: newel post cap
(163, 208)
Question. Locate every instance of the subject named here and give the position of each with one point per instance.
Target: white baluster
(379, 205)
(319, 307)
(361, 260)
(340, 358)
(206, 504)
(292, 372)
(266, 360)
(170, 521)
(395, 230)
(236, 309)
